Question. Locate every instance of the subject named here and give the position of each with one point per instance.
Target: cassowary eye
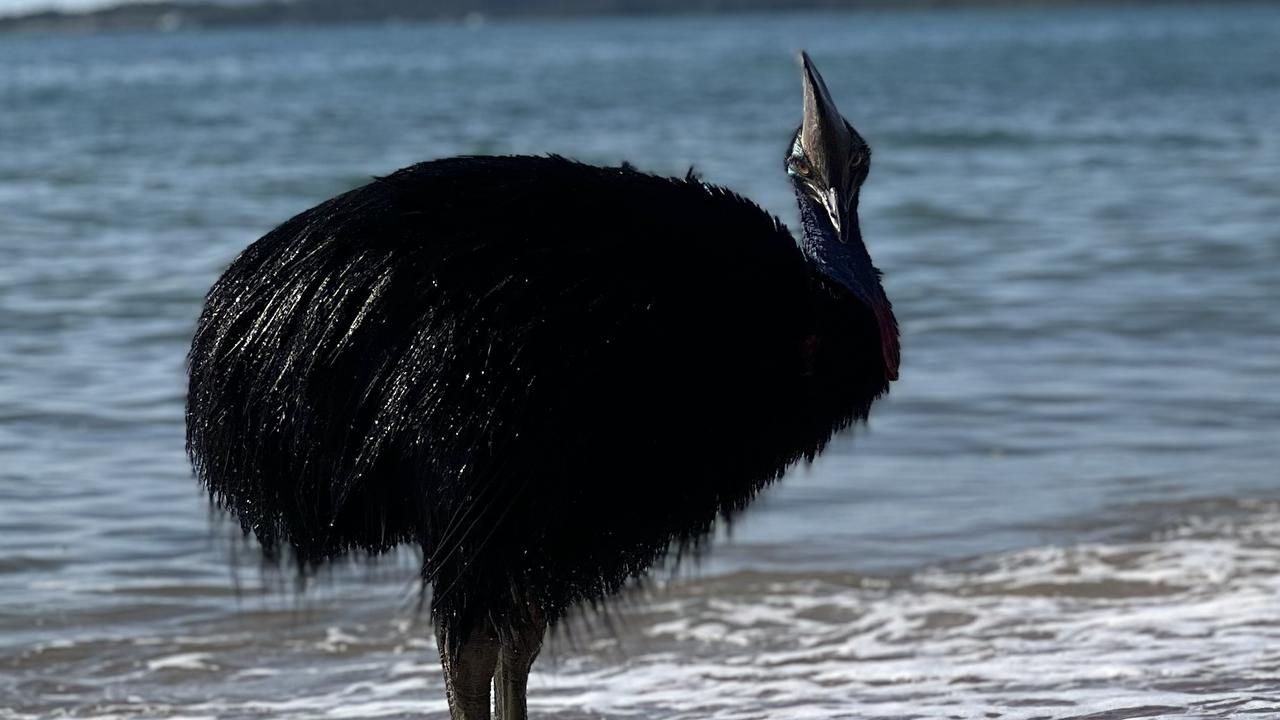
(859, 165)
(799, 166)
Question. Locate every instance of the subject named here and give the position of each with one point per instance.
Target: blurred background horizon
(1069, 506)
(169, 15)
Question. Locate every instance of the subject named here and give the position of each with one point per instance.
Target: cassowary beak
(827, 144)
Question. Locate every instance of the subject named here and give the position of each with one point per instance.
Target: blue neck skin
(846, 262)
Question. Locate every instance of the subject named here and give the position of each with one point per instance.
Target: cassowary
(547, 375)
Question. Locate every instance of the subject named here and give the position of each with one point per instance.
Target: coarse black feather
(546, 374)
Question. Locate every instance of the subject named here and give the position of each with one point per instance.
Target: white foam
(184, 661)
(1185, 625)
(1188, 624)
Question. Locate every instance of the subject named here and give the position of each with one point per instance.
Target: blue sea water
(1066, 507)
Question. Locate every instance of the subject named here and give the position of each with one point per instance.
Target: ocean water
(1069, 507)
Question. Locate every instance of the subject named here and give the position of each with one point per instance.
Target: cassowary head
(827, 163)
(828, 159)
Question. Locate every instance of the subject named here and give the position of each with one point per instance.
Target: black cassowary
(547, 375)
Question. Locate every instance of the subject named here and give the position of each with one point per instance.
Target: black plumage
(547, 375)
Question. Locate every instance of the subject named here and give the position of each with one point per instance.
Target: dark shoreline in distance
(164, 15)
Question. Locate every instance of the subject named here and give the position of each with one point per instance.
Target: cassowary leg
(469, 662)
(520, 647)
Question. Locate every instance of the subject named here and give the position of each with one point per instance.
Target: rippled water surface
(1067, 507)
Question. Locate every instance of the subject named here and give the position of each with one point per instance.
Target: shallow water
(1065, 509)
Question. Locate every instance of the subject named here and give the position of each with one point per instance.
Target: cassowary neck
(846, 262)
